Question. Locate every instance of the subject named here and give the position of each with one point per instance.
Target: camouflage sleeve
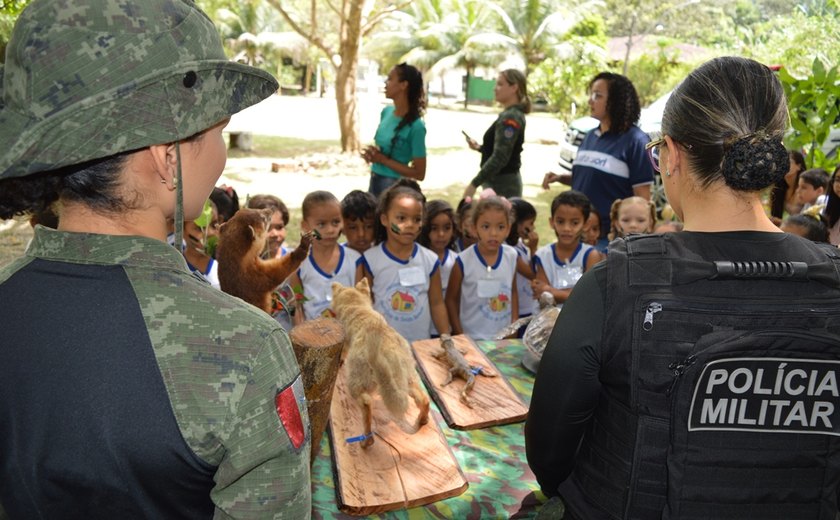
(265, 470)
(509, 126)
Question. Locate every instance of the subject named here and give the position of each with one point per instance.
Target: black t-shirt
(569, 380)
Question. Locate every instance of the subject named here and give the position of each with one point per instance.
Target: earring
(667, 172)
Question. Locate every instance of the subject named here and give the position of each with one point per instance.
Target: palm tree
(442, 35)
(249, 30)
(536, 27)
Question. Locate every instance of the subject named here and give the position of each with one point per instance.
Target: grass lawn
(283, 147)
(286, 147)
(15, 234)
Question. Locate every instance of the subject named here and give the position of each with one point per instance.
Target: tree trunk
(318, 344)
(350, 37)
(345, 99)
(467, 89)
(307, 79)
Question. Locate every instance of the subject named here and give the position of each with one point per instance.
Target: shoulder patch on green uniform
(288, 411)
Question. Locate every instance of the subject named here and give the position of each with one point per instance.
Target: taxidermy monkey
(377, 357)
(242, 272)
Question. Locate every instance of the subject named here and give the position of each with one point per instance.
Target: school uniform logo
(402, 301)
(499, 303)
(776, 395)
(495, 300)
(403, 304)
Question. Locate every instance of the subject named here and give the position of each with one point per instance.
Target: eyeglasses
(652, 149)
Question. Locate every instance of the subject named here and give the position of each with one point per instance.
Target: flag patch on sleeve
(288, 410)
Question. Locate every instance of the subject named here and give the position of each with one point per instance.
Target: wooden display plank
(404, 468)
(493, 399)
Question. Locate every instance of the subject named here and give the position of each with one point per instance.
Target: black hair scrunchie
(755, 161)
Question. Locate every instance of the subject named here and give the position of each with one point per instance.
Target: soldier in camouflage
(128, 387)
(501, 147)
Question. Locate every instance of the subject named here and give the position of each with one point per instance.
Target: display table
(501, 485)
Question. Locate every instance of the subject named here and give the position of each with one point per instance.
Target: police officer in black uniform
(695, 374)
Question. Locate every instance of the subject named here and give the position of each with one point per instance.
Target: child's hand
(538, 287)
(531, 240)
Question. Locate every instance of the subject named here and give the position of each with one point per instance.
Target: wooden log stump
(318, 344)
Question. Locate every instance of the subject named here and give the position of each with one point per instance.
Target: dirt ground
(450, 165)
(450, 162)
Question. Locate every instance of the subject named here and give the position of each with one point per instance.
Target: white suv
(650, 120)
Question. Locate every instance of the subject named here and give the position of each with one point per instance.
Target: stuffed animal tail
(391, 363)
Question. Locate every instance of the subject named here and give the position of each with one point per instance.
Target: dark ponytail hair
(416, 97)
(779, 192)
(95, 184)
(730, 115)
(832, 205)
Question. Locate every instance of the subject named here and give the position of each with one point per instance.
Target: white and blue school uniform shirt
(460, 245)
(401, 288)
(211, 274)
(527, 303)
(609, 165)
(562, 274)
(445, 270)
(317, 283)
(486, 291)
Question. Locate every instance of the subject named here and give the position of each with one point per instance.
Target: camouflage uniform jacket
(501, 151)
(129, 388)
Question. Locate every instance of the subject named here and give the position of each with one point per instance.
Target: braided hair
(416, 97)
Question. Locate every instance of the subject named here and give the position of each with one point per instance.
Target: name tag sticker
(489, 288)
(411, 276)
(777, 395)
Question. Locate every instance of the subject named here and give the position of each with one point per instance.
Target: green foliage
(655, 74)
(9, 11)
(814, 105)
(562, 80)
(793, 40)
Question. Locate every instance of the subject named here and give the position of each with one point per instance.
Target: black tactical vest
(488, 144)
(734, 405)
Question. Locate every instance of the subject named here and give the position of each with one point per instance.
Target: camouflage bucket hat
(86, 79)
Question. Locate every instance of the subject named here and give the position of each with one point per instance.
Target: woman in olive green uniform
(501, 147)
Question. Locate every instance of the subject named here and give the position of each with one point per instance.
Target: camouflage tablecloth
(501, 484)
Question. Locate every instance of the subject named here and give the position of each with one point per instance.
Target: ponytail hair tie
(754, 161)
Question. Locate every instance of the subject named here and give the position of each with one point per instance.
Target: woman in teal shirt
(400, 149)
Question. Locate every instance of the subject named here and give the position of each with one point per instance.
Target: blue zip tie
(360, 438)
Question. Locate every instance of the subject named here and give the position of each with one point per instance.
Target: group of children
(818, 193)
(472, 269)
(432, 268)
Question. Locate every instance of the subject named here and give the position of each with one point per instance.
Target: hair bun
(755, 161)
